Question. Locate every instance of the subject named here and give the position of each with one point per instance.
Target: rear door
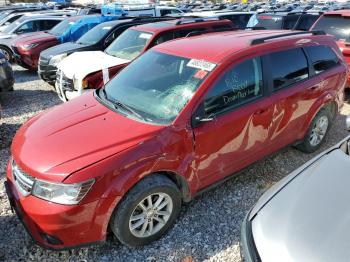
(238, 132)
(293, 89)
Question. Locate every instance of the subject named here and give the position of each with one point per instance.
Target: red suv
(180, 118)
(337, 23)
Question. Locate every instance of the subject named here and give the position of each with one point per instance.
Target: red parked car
(337, 23)
(180, 118)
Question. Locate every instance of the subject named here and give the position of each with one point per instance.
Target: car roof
(345, 13)
(40, 17)
(225, 43)
(171, 24)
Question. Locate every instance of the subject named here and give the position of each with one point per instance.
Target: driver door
(235, 128)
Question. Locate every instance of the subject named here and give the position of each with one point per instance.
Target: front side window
(129, 44)
(239, 85)
(322, 58)
(305, 22)
(28, 27)
(288, 67)
(156, 86)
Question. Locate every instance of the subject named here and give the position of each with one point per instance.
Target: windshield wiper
(117, 104)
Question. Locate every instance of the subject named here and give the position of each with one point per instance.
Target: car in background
(280, 20)
(15, 16)
(27, 48)
(24, 25)
(180, 118)
(84, 71)
(305, 216)
(239, 19)
(337, 23)
(7, 78)
(98, 38)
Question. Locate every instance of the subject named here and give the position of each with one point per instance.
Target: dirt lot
(208, 228)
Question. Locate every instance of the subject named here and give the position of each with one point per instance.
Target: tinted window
(239, 21)
(288, 67)
(266, 21)
(48, 24)
(239, 85)
(334, 25)
(28, 27)
(290, 21)
(306, 21)
(322, 58)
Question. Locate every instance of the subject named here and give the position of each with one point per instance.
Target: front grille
(23, 181)
(64, 82)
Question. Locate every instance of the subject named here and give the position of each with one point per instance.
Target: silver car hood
(308, 220)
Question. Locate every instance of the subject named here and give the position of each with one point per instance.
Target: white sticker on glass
(145, 36)
(201, 64)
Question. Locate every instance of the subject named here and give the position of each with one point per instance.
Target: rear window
(334, 25)
(322, 58)
(287, 73)
(239, 21)
(266, 21)
(306, 21)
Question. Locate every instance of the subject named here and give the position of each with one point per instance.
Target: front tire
(317, 131)
(7, 53)
(148, 210)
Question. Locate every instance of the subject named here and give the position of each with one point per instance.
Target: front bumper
(248, 250)
(56, 226)
(27, 61)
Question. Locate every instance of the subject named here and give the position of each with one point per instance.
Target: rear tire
(317, 131)
(147, 211)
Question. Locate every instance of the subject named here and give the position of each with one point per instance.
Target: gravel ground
(207, 229)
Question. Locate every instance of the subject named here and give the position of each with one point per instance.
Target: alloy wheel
(151, 215)
(318, 131)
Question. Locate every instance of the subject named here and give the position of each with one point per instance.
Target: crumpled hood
(74, 135)
(65, 48)
(81, 64)
(308, 220)
(36, 37)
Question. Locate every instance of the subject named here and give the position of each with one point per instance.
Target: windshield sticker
(106, 28)
(201, 74)
(145, 36)
(71, 23)
(201, 64)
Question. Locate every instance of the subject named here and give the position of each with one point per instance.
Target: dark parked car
(6, 74)
(281, 20)
(304, 217)
(96, 39)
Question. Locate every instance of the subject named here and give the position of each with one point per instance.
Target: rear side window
(288, 67)
(48, 24)
(322, 58)
(239, 85)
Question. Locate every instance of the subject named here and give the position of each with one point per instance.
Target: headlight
(56, 59)
(67, 194)
(29, 46)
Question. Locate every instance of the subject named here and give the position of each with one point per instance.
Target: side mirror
(200, 116)
(348, 123)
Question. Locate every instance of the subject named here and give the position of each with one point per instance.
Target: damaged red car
(180, 118)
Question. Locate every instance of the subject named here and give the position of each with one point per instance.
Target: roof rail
(183, 21)
(263, 39)
(195, 33)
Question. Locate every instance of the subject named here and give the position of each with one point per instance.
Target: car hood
(6, 36)
(36, 37)
(73, 135)
(65, 48)
(78, 65)
(308, 220)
